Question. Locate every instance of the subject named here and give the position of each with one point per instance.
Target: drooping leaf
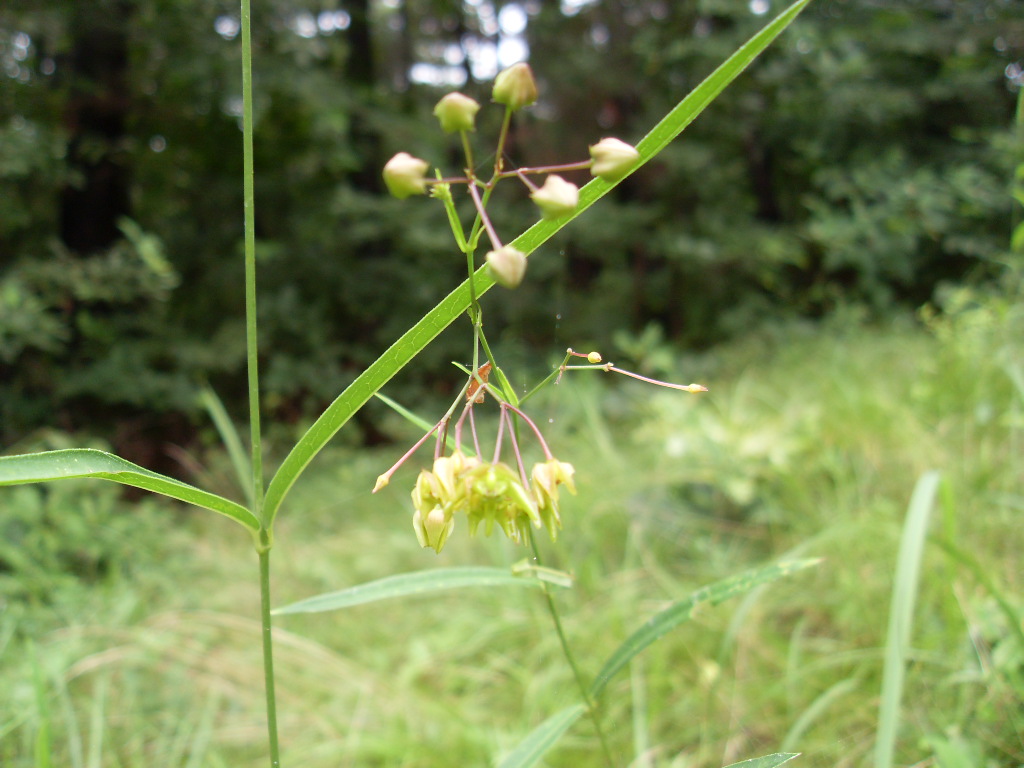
(88, 462)
(658, 626)
(542, 738)
(768, 761)
(409, 584)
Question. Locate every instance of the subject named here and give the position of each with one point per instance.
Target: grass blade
(399, 354)
(1014, 619)
(901, 615)
(818, 708)
(88, 462)
(768, 761)
(413, 418)
(542, 738)
(407, 584)
(240, 460)
(677, 613)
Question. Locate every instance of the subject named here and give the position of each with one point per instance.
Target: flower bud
(594, 357)
(556, 198)
(613, 159)
(507, 265)
(515, 86)
(406, 175)
(456, 112)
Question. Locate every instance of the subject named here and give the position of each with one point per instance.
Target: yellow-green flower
(545, 479)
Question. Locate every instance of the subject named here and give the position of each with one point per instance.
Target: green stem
(550, 377)
(265, 536)
(569, 657)
(268, 654)
(251, 347)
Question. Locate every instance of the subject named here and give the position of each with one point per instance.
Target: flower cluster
(515, 88)
(491, 493)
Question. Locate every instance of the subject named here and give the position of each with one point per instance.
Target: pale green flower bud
(406, 175)
(507, 266)
(456, 112)
(515, 87)
(556, 198)
(433, 528)
(613, 159)
(594, 358)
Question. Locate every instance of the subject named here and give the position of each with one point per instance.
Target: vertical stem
(251, 352)
(251, 348)
(268, 655)
(569, 657)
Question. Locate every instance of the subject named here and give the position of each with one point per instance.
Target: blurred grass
(808, 444)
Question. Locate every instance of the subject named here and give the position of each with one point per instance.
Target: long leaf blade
(88, 462)
(408, 584)
(542, 738)
(901, 615)
(680, 611)
(399, 354)
(768, 761)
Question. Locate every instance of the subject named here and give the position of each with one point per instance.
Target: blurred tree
(858, 161)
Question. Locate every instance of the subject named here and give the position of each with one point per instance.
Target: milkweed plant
(485, 488)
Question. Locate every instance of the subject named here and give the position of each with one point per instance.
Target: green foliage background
(862, 161)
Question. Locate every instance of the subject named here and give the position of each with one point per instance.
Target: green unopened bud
(594, 358)
(515, 86)
(406, 175)
(507, 265)
(556, 198)
(456, 112)
(613, 159)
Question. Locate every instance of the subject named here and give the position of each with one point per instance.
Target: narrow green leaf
(415, 419)
(399, 354)
(88, 462)
(661, 624)
(768, 761)
(240, 460)
(542, 738)
(901, 615)
(549, 575)
(408, 584)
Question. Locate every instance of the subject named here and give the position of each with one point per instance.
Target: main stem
(569, 657)
(268, 657)
(265, 541)
(251, 347)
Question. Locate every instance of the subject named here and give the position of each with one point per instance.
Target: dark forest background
(862, 163)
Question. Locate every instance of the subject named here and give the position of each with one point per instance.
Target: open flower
(545, 479)
(406, 175)
(496, 496)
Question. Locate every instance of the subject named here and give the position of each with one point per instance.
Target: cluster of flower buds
(515, 88)
(488, 493)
